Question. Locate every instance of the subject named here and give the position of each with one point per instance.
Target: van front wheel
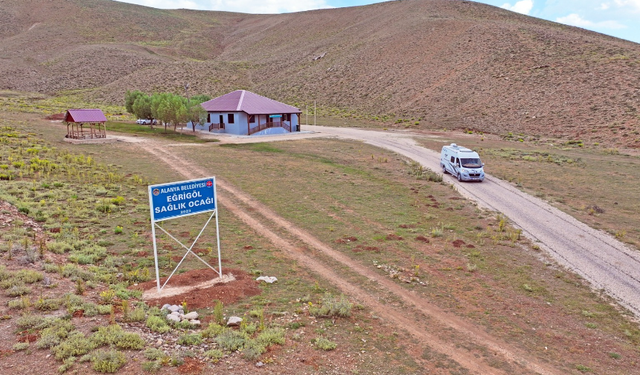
(459, 176)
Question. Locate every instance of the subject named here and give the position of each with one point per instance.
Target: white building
(242, 112)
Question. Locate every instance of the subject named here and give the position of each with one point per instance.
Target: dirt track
(606, 263)
(418, 316)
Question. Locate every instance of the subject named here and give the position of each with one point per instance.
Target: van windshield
(471, 163)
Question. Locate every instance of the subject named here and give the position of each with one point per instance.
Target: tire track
(603, 261)
(464, 357)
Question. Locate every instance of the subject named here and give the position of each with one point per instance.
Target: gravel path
(603, 261)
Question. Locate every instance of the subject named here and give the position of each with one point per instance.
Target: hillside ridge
(424, 63)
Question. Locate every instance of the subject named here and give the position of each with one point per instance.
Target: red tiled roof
(84, 115)
(246, 101)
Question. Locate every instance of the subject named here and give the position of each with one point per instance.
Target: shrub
(59, 247)
(74, 272)
(76, 344)
(214, 355)
(151, 366)
(157, 324)
(53, 332)
(20, 303)
(20, 346)
(88, 255)
(422, 173)
(105, 206)
(107, 296)
(91, 309)
(271, 336)
(231, 340)
(51, 268)
(108, 361)
(137, 315)
(72, 302)
(48, 304)
(29, 276)
(332, 306)
(436, 232)
(28, 321)
(212, 330)
(67, 363)
(248, 328)
(153, 354)
(253, 349)
(138, 275)
(190, 339)
(185, 324)
(324, 344)
(218, 315)
(118, 201)
(18, 290)
(114, 335)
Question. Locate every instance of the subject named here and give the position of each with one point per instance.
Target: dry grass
(373, 210)
(591, 183)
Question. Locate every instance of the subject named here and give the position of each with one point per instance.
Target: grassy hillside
(414, 63)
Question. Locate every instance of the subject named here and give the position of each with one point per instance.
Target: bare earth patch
(201, 288)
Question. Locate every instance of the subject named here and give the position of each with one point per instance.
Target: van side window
(453, 159)
(457, 161)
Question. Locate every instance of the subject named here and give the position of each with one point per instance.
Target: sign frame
(179, 199)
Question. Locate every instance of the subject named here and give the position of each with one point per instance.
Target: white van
(462, 163)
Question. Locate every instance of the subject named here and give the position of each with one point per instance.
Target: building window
(252, 119)
(231, 118)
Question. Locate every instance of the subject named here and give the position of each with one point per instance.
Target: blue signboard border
(184, 197)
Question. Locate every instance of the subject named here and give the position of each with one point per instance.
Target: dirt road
(418, 317)
(603, 261)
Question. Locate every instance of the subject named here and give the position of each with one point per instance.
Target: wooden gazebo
(85, 123)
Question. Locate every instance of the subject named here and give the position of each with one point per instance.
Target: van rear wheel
(444, 169)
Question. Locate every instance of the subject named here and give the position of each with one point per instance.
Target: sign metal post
(179, 199)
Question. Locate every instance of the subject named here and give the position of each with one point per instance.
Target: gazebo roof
(248, 102)
(84, 115)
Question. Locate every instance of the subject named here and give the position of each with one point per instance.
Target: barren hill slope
(446, 63)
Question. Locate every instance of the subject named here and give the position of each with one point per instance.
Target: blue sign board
(176, 199)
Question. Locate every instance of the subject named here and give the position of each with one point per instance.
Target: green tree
(142, 108)
(130, 98)
(169, 108)
(196, 114)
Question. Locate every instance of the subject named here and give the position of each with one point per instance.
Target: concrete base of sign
(169, 291)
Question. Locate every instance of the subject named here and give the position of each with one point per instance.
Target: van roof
(458, 148)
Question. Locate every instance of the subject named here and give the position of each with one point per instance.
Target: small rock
(165, 306)
(173, 318)
(196, 322)
(267, 279)
(191, 316)
(234, 321)
(259, 364)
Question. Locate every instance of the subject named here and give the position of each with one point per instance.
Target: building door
(221, 122)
